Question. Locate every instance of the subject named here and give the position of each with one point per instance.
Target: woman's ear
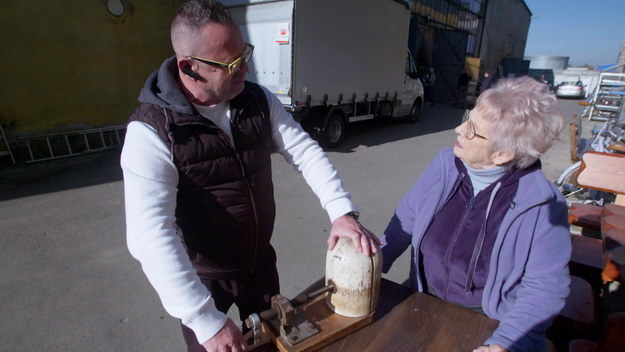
(502, 158)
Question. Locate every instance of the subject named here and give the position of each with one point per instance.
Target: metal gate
(449, 57)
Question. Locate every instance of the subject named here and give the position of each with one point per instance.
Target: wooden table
(604, 172)
(420, 323)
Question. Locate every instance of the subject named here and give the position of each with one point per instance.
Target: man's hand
(490, 348)
(346, 226)
(228, 339)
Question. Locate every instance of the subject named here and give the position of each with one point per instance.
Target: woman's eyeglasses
(470, 133)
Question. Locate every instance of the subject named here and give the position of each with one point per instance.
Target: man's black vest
(225, 207)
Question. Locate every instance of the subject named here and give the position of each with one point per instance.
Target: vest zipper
(233, 128)
(467, 211)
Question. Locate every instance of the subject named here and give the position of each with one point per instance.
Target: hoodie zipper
(467, 211)
(453, 190)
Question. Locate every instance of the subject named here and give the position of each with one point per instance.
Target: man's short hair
(190, 17)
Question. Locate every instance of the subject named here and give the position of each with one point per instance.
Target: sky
(589, 32)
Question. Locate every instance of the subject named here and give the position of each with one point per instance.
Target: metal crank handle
(273, 313)
(258, 334)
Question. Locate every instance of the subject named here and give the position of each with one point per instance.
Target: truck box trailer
(332, 62)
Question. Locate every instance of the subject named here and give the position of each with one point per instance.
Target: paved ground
(69, 284)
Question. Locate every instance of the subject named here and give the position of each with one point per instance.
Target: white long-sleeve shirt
(150, 186)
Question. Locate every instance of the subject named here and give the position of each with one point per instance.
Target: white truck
(332, 62)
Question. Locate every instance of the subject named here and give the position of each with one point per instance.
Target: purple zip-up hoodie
(528, 278)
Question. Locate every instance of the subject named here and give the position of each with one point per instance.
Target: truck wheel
(334, 131)
(415, 112)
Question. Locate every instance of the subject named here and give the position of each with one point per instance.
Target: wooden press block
(587, 216)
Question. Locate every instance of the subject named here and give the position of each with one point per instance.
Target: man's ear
(502, 158)
(186, 68)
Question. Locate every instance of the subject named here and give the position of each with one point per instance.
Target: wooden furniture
(594, 261)
(613, 229)
(587, 216)
(574, 132)
(604, 172)
(612, 339)
(579, 316)
(421, 323)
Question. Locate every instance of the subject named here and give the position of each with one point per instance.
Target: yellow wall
(71, 64)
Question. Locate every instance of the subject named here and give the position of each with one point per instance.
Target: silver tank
(545, 62)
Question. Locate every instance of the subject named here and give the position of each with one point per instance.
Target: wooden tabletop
(420, 323)
(604, 172)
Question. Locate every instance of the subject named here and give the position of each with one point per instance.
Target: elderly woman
(488, 231)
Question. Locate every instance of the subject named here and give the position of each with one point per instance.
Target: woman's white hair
(525, 118)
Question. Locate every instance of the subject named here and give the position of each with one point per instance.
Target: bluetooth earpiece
(187, 70)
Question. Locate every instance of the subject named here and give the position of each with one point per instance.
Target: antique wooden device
(321, 316)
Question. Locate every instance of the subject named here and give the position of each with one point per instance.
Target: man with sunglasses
(197, 175)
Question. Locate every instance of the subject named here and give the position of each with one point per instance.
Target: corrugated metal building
(450, 34)
(80, 65)
(75, 64)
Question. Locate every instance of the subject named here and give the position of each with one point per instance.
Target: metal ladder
(7, 146)
(65, 144)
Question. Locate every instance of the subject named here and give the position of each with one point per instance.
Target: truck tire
(334, 131)
(415, 112)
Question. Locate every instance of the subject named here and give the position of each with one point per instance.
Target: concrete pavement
(69, 284)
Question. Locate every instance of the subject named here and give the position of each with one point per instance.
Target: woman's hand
(490, 348)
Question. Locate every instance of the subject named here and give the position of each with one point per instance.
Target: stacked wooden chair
(597, 263)
(612, 337)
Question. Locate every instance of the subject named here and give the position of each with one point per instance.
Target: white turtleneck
(482, 178)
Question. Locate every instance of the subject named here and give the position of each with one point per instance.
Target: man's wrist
(353, 214)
